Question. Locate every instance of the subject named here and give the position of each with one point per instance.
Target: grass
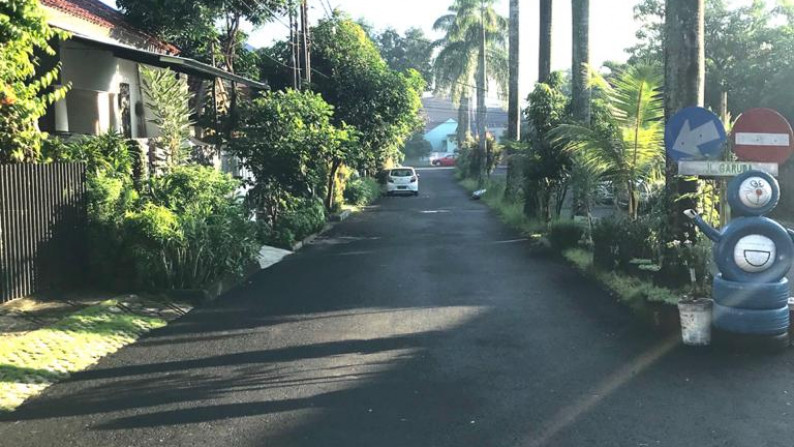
(511, 213)
(32, 361)
(628, 289)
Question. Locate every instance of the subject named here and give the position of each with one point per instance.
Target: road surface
(421, 322)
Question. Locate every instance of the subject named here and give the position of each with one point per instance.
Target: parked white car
(402, 180)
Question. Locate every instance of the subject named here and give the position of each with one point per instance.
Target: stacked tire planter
(753, 254)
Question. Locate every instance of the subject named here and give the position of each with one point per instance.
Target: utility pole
(293, 40)
(306, 41)
(482, 112)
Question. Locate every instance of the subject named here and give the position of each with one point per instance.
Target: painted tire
(747, 226)
(751, 295)
(740, 209)
(751, 321)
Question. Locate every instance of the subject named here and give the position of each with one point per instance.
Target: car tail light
(413, 179)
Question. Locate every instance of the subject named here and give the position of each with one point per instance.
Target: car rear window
(401, 172)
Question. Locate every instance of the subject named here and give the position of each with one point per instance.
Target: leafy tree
(472, 51)
(25, 93)
(208, 30)
(417, 146)
(546, 164)
(632, 151)
(411, 51)
(285, 140)
(381, 103)
(168, 97)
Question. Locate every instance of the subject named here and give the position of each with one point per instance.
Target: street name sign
(762, 135)
(694, 133)
(724, 168)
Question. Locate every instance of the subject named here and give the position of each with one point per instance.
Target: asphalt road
(421, 322)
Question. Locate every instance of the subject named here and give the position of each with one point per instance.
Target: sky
(612, 27)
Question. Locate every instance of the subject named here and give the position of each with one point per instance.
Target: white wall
(95, 76)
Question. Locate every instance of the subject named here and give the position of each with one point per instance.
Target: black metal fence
(42, 228)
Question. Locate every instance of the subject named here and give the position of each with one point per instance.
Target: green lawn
(32, 361)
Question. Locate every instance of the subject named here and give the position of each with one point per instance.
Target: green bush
(191, 232)
(362, 191)
(304, 218)
(616, 242)
(565, 234)
(109, 154)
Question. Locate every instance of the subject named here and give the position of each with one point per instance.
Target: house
(444, 137)
(101, 62)
(441, 122)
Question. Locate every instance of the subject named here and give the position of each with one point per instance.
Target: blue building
(443, 137)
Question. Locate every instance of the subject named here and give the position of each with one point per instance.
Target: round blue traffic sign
(694, 133)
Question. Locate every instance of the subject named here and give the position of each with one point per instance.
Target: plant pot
(696, 321)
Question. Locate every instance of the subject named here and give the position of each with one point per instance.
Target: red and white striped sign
(762, 135)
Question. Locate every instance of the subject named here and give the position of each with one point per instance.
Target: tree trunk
(684, 87)
(581, 57)
(513, 108)
(482, 111)
(464, 122)
(330, 194)
(544, 60)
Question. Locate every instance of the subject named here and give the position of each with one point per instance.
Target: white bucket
(696, 322)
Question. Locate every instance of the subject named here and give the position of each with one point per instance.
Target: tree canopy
(25, 84)
(352, 76)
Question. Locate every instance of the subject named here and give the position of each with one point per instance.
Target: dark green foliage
(468, 162)
(547, 164)
(191, 231)
(413, 51)
(362, 191)
(565, 234)
(616, 242)
(301, 220)
(109, 154)
(417, 147)
(185, 229)
(292, 148)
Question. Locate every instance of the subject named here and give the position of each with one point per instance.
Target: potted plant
(696, 305)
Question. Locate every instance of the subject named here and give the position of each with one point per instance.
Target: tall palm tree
(684, 80)
(544, 59)
(513, 107)
(581, 58)
(632, 150)
(472, 51)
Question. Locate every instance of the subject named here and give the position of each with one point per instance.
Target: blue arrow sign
(694, 133)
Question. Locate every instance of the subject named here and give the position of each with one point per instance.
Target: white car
(402, 181)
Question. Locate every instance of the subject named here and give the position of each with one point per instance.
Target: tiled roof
(96, 12)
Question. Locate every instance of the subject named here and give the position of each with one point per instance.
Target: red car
(447, 160)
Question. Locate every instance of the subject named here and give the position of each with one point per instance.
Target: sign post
(763, 135)
(694, 133)
(724, 168)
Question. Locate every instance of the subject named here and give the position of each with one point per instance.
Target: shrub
(192, 232)
(109, 154)
(305, 218)
(616, 242)
(565, 234)
(362, 191)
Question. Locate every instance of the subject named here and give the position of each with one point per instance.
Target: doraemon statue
(753, 254)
